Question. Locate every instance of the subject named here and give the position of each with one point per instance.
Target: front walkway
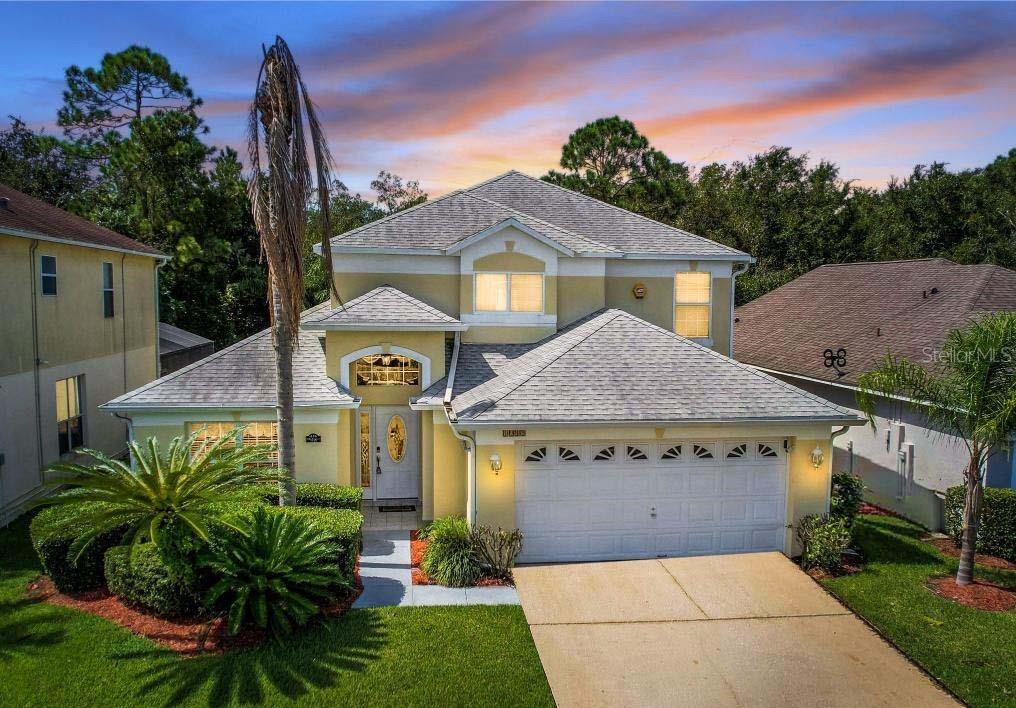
(738, 630)
(386, 573)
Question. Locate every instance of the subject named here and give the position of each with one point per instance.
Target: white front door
(579, 501)
(395, 441)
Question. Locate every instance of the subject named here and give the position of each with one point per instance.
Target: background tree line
(133, 158)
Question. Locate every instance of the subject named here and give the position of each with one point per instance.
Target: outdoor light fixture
(495, 463)
(816, 457)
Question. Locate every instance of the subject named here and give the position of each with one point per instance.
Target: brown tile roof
(870, 309)
(32, 216)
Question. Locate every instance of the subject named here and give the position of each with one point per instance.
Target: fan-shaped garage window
(737, 451)
(671, 453)
(387, 370)
(605, 454)
(396, 438)
(636, 453)
(702, 452)
(567, 454)
(767, 450)
(536, 454)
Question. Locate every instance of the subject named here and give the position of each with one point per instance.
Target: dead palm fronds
(281, 121)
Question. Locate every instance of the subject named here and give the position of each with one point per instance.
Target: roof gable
(383, 308)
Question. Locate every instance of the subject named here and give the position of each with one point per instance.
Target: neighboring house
(508, 353)
(869, 310)
(78, 327)
(178, 348)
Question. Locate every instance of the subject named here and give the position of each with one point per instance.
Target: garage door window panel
(605, 454)
(569, 453)
(703, 451)
(671, 453)
(736, 452)
(636, 453)
(535, 455)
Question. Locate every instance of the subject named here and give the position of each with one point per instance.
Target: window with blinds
(508, 292)
(692, 304)
(253, 433)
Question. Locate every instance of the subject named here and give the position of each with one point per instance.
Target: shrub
(823, 541)
(451, 558)
(276, 571)
(334, 496)
(497, 549)
(847, 495)
(343, 527)
(996, 534)
(54, 531)
(142, 578)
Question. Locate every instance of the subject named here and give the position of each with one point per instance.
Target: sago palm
(169, 496)
(280, 189)
(971, 393)
(275, 570)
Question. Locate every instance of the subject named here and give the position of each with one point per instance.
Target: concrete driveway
(738, 630)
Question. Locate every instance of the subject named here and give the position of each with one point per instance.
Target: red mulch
(948, 547)
(872, 510)
(180, 635)
(418, 546)
(979, 595)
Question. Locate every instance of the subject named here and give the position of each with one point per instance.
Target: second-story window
(107, 289)
(692, 304)
(47, 270)
(509, 292)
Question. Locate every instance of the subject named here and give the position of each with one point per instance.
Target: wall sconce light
(495, 463)
(816, 457)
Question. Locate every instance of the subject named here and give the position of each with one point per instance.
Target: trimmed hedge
(996, 536)
(145, 581)
(334, 496)
(54, 530)
(344, 526)
(846, 498)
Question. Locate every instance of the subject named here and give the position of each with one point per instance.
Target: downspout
(123, 316)
(35, 355)
(130, 437)
(468, 441)
(741, 269)
(158, 354)
(832, 453)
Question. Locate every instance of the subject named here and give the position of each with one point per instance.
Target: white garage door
(600, 501)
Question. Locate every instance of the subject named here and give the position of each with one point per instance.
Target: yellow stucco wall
(808, 487)
(427, 463)
(450, 470)
(510, 261)
(578, 296)
(495, 493)
(71, 326)
(429, 344)
(440, 291)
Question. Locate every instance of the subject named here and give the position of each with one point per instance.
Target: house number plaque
(513, 433)
(312, 438)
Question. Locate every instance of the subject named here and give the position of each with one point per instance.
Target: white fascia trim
(426, 406)
(204, 407)
(668, 423)
(385, 251)
(373, 327)
(509, 319)
(501, 226)
(71, 242)
(378, 349)
(743, 257)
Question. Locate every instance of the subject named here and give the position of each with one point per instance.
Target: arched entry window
(387, 370)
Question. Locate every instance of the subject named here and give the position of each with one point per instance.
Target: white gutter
(468, 442)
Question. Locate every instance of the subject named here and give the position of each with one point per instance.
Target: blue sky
(453, 93)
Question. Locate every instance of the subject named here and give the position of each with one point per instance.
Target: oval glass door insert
(396, 438)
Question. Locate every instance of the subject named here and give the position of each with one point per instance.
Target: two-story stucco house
(526, 356)
(78, 326)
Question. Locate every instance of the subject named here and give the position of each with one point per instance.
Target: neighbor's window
(692, 304)
(509, 292)
(387, 370)
(107, 289)
(253, 433)
(68, 414)
(47, 269)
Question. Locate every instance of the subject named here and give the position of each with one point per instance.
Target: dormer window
(508, 292)
(692, 304)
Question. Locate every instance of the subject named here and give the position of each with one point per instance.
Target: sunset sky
(453, 93)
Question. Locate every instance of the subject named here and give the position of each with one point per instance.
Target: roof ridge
(205, 360)
(579, 341)
(897, 260)
(739, 364)
(622, 209)
(537, 219)
(389, 217)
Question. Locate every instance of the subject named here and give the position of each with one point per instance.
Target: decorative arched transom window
(387, 370)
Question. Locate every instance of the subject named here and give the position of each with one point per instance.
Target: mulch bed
(850, 563)
(948, 547)
(418, 547)
(873, 510)
(978, 595)
(180, 635)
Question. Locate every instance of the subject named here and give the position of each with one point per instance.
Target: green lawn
(53, 656)
(970, 651)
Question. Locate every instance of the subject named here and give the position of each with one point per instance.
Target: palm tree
(970, 394)
(280, 189)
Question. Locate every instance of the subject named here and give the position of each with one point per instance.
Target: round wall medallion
(639, 291)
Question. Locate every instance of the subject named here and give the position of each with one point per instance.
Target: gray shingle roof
(614, 367)
(172, 339)
(579, 223)
(382, 308)
(242, 376)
